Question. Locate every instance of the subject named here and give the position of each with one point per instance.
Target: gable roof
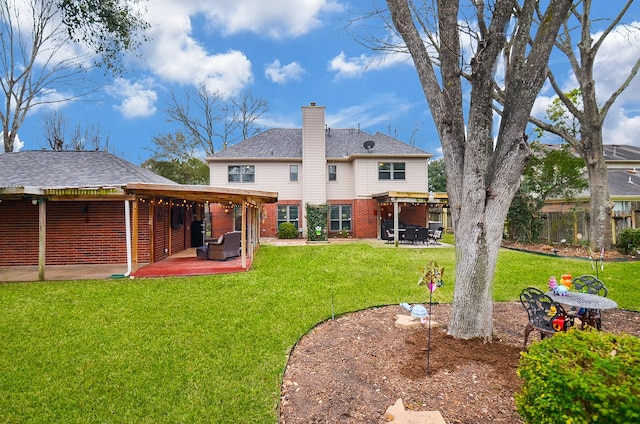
(623, 183)
(281, 143)
(621, 152)
(72, 174)
(71, 169)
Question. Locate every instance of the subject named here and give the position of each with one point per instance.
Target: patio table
(590, 302)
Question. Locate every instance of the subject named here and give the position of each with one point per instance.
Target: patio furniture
(422, 235)
(588, 284)
(228, 246)
(202, 252)
(409, 235)
(544, 314)
(435, 236)
(588, 306)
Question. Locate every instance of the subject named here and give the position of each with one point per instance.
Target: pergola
(405, 197)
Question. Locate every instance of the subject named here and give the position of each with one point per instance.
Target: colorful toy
(417, 312)
(553, 284)
(565, 280)
(558, 323)
(559, 289)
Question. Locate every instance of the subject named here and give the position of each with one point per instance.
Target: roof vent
(312, 104)
(369, 144)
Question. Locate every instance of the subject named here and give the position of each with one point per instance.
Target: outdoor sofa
(227, 246)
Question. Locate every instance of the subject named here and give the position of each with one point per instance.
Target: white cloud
(616, 57)
(281, 74)
(17, 143)
(175, 56)
(274, 18)
(378, 110)
(137, 100)
(621, 128)
(352, 67)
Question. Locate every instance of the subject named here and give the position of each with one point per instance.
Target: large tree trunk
(600, 235)
(483, 174)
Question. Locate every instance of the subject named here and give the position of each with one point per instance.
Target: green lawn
(213, 348)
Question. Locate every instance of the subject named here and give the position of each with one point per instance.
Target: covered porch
(398, 209)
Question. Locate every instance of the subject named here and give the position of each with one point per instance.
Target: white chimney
(314, 161)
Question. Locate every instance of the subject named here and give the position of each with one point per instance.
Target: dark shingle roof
(621, 152)
(70, 169)
(623, 182)
(340, 144)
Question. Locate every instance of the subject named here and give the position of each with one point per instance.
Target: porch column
(127, 226)
(245, 239)
(396, 222)
(42, 237)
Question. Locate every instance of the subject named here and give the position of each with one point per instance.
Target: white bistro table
(590, 302)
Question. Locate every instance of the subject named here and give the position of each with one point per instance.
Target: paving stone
(396, 414)
(407, 321)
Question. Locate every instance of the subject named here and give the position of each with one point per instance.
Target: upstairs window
(242, 173)
(333, 172)
(293, 173)
(391, 170)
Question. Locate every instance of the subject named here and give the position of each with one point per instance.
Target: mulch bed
(351, 369)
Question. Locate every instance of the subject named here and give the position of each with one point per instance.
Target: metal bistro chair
(545, 315)
(592, 285)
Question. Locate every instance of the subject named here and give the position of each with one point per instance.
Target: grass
(214, 348)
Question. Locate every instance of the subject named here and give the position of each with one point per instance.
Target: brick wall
(18, 233)
(77, 233)
(365, 218)
(413, 215)
(221, 221)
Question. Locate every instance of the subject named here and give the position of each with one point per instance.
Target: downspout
(127, 226)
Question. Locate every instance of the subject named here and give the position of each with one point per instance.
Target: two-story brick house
(365, 178)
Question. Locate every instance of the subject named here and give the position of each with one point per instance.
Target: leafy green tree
(552, 172)
(190, 171)
(437, 176)
(40, 54)
(174, 158)
(580, 123)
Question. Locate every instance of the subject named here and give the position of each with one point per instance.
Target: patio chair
(228, 246)
(422, 235)
(409, 235)
(435, 236)
(592, 285)
(544, 315)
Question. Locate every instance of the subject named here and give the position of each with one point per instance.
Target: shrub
(581, 377)
(317, 218)
(629, 241)
(287, 230)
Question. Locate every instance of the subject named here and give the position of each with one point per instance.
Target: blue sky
(291, 53)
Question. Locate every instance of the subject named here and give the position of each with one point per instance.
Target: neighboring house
(75, 207)
(369, 180)
(567, 219)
